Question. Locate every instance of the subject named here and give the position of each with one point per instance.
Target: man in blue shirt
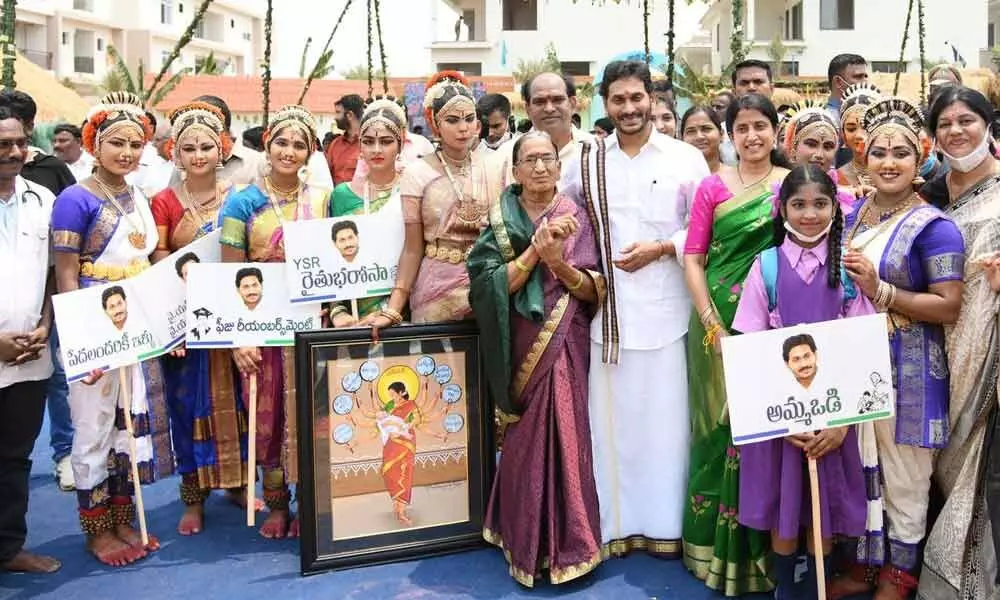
(845, 70)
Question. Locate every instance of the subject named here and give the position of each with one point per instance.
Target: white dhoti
(640, 433)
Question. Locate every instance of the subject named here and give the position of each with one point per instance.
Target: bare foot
(293, 527)
(133, 538)
(402, 517)
(239, 498)
(26, 562)
(846, 586)
(192, 520)
(275, 527)
(107, 548)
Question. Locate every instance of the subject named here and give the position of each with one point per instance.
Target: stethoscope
(24, 194)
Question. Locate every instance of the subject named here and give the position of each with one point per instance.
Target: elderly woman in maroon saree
(533, 292)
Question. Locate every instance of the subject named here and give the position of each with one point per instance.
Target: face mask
(972, 160)
(808, 239)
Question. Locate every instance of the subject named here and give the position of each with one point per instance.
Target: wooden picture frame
(381, 424)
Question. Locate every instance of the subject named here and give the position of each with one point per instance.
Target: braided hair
(804, 175)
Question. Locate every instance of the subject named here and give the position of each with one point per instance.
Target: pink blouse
(752, 314)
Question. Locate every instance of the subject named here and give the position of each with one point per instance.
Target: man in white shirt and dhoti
(637, 186)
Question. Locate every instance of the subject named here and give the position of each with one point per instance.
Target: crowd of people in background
(603, 268)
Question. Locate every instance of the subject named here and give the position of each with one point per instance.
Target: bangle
(703, 315)
(521, 266)
(393, 315)
(662, 247)
(579, 283)
(400, 288)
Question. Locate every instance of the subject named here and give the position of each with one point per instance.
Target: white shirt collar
(656, 139)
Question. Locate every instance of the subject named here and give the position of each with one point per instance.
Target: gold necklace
(381, 192)
(283, 193)
(744, 184)
(135, 237)
(469, 213)
(882, 223)
(464, 165)
(199, 210)
(120, 189)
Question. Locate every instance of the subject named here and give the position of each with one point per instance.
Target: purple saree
(543, 509)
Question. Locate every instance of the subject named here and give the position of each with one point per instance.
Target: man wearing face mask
(343, 152)
(845, 70)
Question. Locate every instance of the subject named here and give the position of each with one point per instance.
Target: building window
(164, 57)
(199, 31)
(836, 14)
(718, 37)
(793, 22)
(100, 44)
(180, 7)
(167, 12)
(520, 15)
(887, 66)
(575, 68)
(991, 35)
(65, 38)
(790, 68)
(469, 69)
(232, 23)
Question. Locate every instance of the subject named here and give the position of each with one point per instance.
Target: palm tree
(324, 64)
(360, 73)
(210, 66)
(691, 84)
(196, 20)
(121, 79)
(526, 69)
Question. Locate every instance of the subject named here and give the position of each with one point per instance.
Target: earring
(303, 174)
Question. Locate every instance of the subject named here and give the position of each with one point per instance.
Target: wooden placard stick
(252, 453)
(817, 530)
(125, 387)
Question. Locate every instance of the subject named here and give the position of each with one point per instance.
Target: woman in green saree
(730, 224)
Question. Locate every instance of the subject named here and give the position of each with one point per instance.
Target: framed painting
(394, 444)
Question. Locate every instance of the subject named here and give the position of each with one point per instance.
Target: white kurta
(639, 407)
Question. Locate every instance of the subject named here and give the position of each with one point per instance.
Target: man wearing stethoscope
(25, 320)
(42, 170)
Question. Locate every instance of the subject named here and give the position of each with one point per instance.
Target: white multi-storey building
(814, 31)
(71, 37)
(493, 35)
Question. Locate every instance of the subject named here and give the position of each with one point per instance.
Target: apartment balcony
(83, 64)
(39, 57)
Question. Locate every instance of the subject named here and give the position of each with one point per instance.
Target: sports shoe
(64, 475)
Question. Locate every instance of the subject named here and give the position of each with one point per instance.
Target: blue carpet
(230, 560)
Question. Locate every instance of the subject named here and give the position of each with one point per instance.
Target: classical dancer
(103, 231)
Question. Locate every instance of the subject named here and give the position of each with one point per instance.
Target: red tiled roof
(244, 94)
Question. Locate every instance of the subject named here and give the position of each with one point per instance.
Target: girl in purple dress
(800, 280)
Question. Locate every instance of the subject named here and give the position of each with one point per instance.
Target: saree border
(556, 576)
(538, 347)
(500, 230)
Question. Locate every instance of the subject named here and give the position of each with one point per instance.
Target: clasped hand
(550, 238)
(862, 271)
(819, 444)
(19, 348)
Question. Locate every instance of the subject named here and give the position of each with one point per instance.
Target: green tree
(777, 50)
(688, 83)
(7, 45)
(324, 64)
(152, 93)
(360, 73)
(211, 66)
(526, 69)
(121, 79)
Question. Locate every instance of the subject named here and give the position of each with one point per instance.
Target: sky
(406, 27)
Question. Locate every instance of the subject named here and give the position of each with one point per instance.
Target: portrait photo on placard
(397, 459)
(808, 377)
(343, 258)
(242, 304)
(102, 327)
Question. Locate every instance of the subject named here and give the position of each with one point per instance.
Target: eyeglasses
(7, 144)
(547, 160)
